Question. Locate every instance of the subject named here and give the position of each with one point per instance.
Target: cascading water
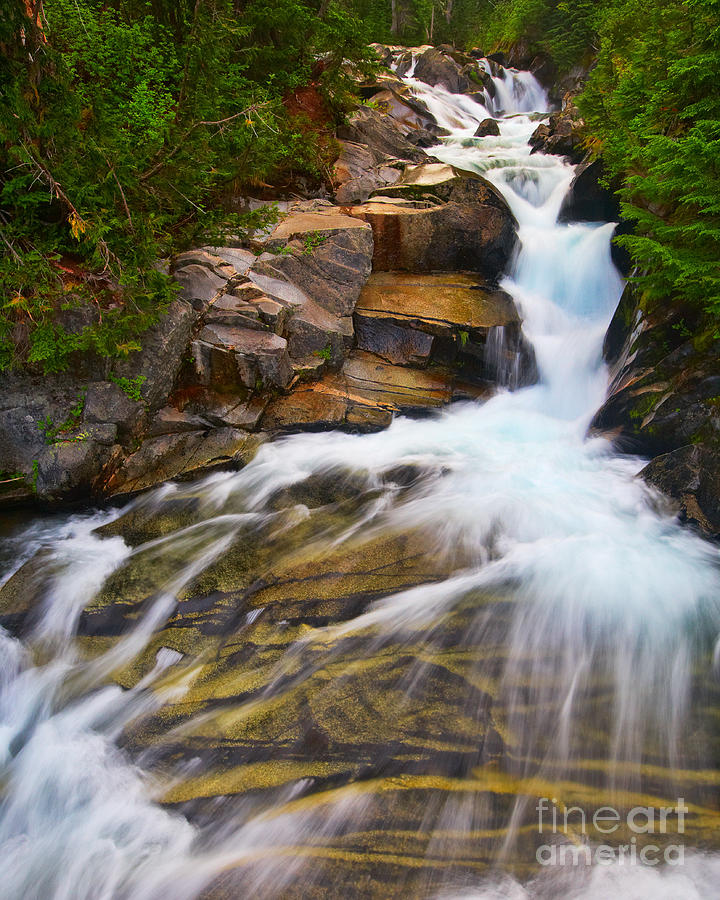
(526, 622)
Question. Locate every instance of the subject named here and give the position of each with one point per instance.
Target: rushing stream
(482, 609)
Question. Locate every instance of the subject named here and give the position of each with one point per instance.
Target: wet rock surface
(664, 402)
(588, 200)
(691, 477)
(368, 762)
(488, 127)
(365, 394)
(435, 67)
(562, 135)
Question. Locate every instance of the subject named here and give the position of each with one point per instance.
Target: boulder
(375, 141)
(380, 134)
(21, 438)
(439, 237)
(664, 385)
(664, 402)
(240, 260)
(420, 138)
(198, 285)
(169, 420)
(71, 468)
(588, 200)
(226, 409)
(407, 112)
(690, 476)
(435, 67)
(488, 128)
(227, 356)
(562, 135)
(356, 174)
(48, 449)
(441, 181)
(439, 305)
(333, 258)
(439, 219)
(180, 455)
(105, 402)
(229, 309)
(482, 82)
(274, 285)
(655, 411)
(394, 343)
(163, 351)
(320, 262)
(522, 55)
(499, 57)
(272, 314)
(313, 330)
(363, 396)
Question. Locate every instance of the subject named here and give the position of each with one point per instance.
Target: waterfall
(578, 615)
(517, 92)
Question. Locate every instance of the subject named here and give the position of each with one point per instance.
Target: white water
(604, 587)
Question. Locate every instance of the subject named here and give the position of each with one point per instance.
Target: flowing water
(355, 667)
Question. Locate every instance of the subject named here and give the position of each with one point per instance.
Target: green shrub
(127, 129)
(131, 387)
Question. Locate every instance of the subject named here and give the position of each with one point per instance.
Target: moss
(643, 405)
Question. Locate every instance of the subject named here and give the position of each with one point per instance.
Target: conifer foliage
(654, 106)
(652, 110)
(126, 128)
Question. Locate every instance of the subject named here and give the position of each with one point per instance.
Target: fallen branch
(77, 222)
(13, 252)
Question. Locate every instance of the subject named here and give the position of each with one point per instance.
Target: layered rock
(183, 454)
(380, 134)
(242, 328)
(60, 432)
(365, 395)
(376, 142)
(448, 319)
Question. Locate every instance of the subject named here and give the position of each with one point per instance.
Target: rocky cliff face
(664, 403)
(274, 336)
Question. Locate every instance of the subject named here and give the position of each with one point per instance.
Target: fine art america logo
(571, 845)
